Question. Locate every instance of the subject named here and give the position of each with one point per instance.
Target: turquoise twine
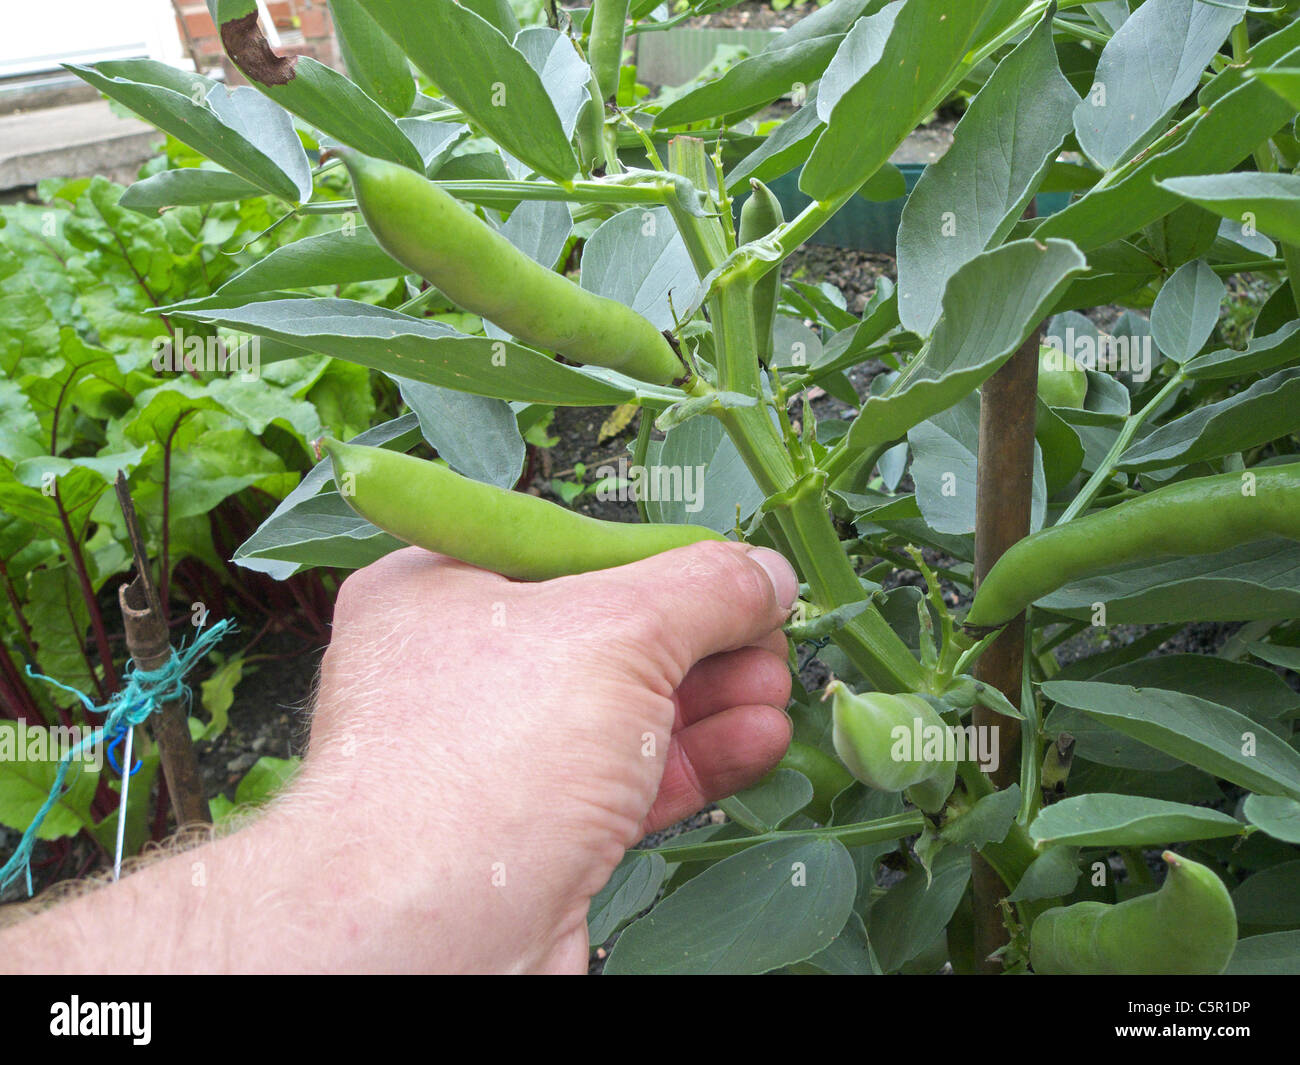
(145, 692)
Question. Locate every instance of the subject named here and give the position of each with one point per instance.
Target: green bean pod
(826, 775)
(430, 232)
(1061, 381)
(1194, 517)
(882, 740)
(759, 216)
(605, 46)
(518, 535)
(1188, 927)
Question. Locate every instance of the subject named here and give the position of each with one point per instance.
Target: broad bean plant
(1080, 774)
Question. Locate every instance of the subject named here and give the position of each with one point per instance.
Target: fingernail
(784, 582)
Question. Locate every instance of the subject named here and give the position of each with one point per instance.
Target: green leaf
(1260, 413)
(638, 258)
(1275, 655)
(27, 774)
(1271, 896)
(313, 525)
(1214, 142)
(1255, 580)
(317, 93)
(478, 69)
(781, 151)
(752, 83)
(969, 200)
(372, 58)
(1275, 814)
(988, 821)
(1187, 310)
(990, 305)
(770, 905)
(217, 694)
(1284, 82)
(913, 912)
(1260, 203)
(197, 186)
(1102, 820)
(266, 777)
(849, 954)
(887, 92)
(1260, 355)
(1146, 70)
(1052, 874)
(1255, 692)
(235, 128)
(1274, 954)
(631, 887)
(416, 349)
(771, 802)
(1196, 731)
(335, 258)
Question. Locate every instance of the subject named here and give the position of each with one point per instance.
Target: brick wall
(305, 28)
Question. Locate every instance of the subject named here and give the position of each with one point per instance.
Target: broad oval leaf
(239, 129)
(631, 887)
(1146, 70)
(969, 200)
(1277, 815)
(1272, 954)
(639, 258)
(1103, 820)
(1196, 731)
(770, 905)
(927, 43)
(192, 186)
(1266, 203)
(1187, 310)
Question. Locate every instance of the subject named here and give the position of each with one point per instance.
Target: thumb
(704, 599)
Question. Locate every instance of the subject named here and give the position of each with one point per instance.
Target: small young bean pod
(518, 535)
(889, 742)
(428, 231)
(759, 216)
(1061, 382)
(1193, 517)
(1188, 927)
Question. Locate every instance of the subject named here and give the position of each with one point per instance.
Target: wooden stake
(149, 644)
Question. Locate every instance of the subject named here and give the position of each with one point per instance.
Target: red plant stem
(17, 698)
(15, 604)
(92, 604)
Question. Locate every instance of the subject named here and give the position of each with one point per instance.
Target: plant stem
(639, 451)
(855, 835)
(1102, 474)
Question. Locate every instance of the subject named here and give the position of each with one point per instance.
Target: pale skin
(481, 754)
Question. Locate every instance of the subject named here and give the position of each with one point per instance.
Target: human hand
(491, 748)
